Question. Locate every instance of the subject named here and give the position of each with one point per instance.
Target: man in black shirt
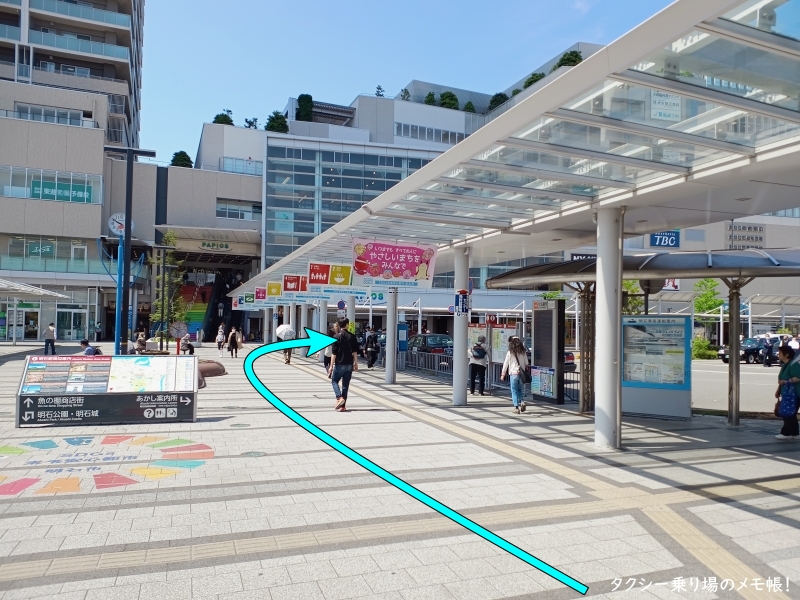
(344, 360)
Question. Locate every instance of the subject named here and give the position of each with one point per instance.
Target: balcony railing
(74, 74)
(82, 12)
(9, 32)
(67, 43)
(10, 114)
(14, 2)
(64, 265)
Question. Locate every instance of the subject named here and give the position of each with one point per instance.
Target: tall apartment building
(70, 83)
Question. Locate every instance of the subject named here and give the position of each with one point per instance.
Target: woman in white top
(478, 359)
(516, 360)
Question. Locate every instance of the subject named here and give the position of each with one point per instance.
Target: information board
(544, 382)
(500, 335)
(71, 390)
(547, 351)
(656, 356)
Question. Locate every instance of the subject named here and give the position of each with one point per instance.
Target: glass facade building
(311, 188)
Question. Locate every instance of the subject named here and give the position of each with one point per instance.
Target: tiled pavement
(243, 504)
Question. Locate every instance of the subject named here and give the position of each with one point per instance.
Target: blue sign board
(402, 337)
(340, 305)
(668, 239)
(461, 305)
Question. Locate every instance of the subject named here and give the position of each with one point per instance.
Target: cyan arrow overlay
(318, 341)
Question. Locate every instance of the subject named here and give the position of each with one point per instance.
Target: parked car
(751, 350)
(435, 343)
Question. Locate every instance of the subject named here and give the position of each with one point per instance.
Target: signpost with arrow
(317, 341)
(106, 390)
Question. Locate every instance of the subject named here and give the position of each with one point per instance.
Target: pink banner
(377, 263)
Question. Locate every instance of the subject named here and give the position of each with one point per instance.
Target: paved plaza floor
(245, 505)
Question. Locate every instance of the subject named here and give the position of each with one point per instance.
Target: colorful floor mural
(87, 460)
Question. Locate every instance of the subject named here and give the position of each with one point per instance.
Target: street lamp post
(129, 153)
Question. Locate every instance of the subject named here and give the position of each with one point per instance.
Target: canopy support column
(351, 309)
(608, 307)
(587, 348)
(734, 326)
(293, 316)
(322, 323)
(391, 336)
(460, 345)
(303, 320)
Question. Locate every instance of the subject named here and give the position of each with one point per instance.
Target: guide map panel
(70, 390)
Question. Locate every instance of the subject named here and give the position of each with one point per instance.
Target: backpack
(97, 351)
(478, 352)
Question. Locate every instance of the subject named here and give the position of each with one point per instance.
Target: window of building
(49, 114)
(241, 166)
(428, 133)
(17, 182)
(237, 209)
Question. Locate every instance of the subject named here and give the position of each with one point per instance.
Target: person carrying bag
(788, 393)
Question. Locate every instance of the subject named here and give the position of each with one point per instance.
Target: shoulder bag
(524, 375)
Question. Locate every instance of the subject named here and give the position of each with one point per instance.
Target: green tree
(430, 98)
(635, 304)
(251, 123)
(277, 122)
(708, 301)
(305, 107)
(515, 91)
(174, 281)
(181, 159)
(405, 94)
(533, 79)
(379, 91)
(497, 100)
(448, 100)
(552, 295)
(568, 59)
(469, 107)
(224, 118)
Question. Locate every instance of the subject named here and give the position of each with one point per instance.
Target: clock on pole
(116, 224)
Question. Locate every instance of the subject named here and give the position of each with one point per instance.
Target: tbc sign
(670, 239)
(73, 390)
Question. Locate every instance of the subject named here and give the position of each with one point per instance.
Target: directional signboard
(98, 390)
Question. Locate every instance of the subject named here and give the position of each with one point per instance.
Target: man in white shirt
(795, 343)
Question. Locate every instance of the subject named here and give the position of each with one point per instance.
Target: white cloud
(582, 6)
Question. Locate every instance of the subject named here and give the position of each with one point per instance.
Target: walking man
(478, 360)
(767, 351)
(220, 309)
(372, 345)
(50, 339)
(344, 360)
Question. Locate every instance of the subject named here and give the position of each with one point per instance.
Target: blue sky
(201, 56)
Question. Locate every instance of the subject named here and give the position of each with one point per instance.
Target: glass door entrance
(70, 325)
(31, 325)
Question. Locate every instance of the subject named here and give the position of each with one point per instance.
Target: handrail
(9, 32)
(67, 43)
(82, 12)
(89, 123)
(61, 72)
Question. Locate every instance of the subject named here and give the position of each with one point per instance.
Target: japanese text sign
(384, 263)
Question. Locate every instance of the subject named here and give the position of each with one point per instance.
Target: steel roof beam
(498, 201)
(510, 189)
(548, 175)
(446, 220)
(754, 38)
(707, 95)
(650, 131)
(594, 155)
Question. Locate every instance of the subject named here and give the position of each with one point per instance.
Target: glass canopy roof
(726, 90)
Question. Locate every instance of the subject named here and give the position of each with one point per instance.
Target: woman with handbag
(516, 366)
(788, 394)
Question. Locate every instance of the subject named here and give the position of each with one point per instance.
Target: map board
(500, 335)
(73, 390)
(656, 365)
